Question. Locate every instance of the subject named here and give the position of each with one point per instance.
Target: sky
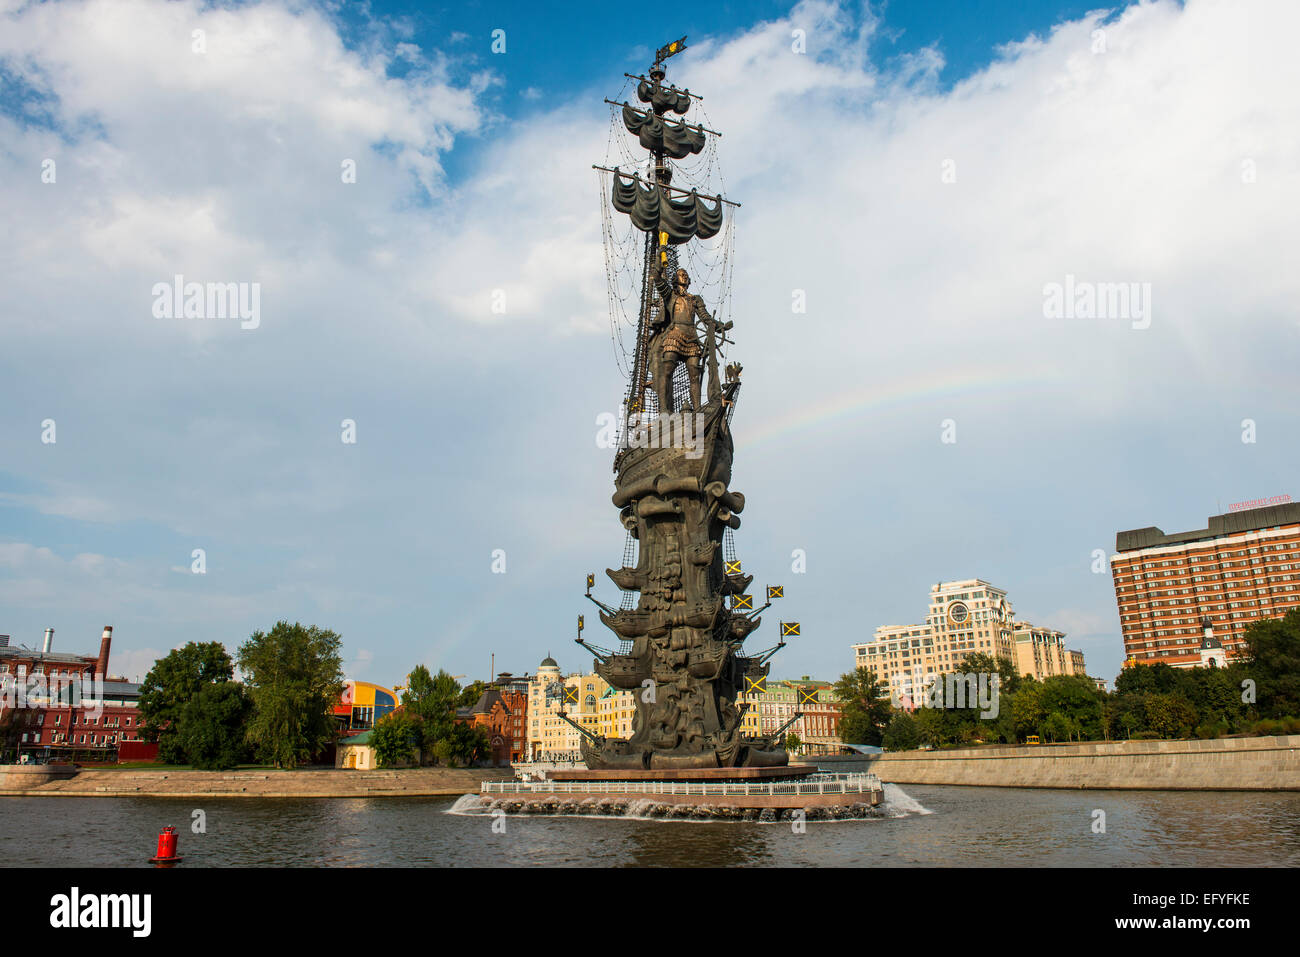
(921, 176)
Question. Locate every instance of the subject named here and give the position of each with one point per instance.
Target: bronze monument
(686, 611)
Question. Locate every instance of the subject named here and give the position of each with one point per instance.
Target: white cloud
(134, 663)
(925, 300)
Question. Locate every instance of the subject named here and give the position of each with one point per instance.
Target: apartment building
(963, 618)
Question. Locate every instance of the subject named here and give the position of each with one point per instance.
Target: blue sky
(1162, 154)
(568, 51)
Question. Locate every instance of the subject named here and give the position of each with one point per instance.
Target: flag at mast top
(663, 53)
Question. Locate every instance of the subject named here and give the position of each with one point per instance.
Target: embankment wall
(1227, 764)
(305, 783)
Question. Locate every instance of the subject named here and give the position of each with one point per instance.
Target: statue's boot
(694, 370)
(664, 389)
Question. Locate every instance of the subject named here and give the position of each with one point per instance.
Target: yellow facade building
(586, 699)
(1041, 652)
(965, 617)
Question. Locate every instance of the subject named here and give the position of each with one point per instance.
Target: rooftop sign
(1259, 503)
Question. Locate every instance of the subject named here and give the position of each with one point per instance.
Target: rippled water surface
(929, 826)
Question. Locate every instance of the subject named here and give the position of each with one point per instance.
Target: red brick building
(501, 712)
(514, 692)
(1243, 566)
(61, 706)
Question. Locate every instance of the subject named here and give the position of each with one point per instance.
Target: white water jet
(468, 804)
(900, 804)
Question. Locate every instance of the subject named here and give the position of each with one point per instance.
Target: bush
(1266, 726)
(1269, 726)
(1211, 729)
(396, 739)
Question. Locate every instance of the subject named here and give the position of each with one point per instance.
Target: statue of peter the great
(679, 343)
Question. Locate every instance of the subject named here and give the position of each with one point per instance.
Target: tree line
(282, 712)
(1258, 693)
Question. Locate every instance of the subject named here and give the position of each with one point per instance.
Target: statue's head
(683, 279)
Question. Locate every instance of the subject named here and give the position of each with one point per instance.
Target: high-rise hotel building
(1170, 588)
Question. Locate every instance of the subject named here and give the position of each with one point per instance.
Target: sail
(676, 140)
(655, 210)
(663, 98)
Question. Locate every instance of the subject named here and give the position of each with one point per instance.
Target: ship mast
(660, 174)
(668, 215)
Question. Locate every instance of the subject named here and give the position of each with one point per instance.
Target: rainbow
(855, 402)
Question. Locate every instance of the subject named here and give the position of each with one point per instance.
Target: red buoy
(166, 848)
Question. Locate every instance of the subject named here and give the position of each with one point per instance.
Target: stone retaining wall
(309, 783)
(1227, 764)
(19, 777)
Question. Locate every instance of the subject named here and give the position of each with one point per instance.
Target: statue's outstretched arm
(660, 282)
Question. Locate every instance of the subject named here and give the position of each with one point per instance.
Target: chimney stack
(101, 664)
(49, 640)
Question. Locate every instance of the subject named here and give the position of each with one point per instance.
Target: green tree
(463, 746)
(1027, 711)
(295, 674)
(434, 699)
(978, 662)
(1058, 727)
(417, 698)
(1215, 693)
(172, 682)
(1129, 715)
(956, 700)
(1170, 715)
(1076, 699)
(395, 738)
(1273, 645)
(865, 709)
(471, 693)
(937, 727)
(902, 733)
(792, 742)
(1148, 679)
(213, 728)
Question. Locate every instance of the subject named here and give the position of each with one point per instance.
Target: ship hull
(684, 659)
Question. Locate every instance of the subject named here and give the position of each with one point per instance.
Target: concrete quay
(1270, 763)
(300, 783)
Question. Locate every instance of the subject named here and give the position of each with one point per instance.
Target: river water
(926, 826)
